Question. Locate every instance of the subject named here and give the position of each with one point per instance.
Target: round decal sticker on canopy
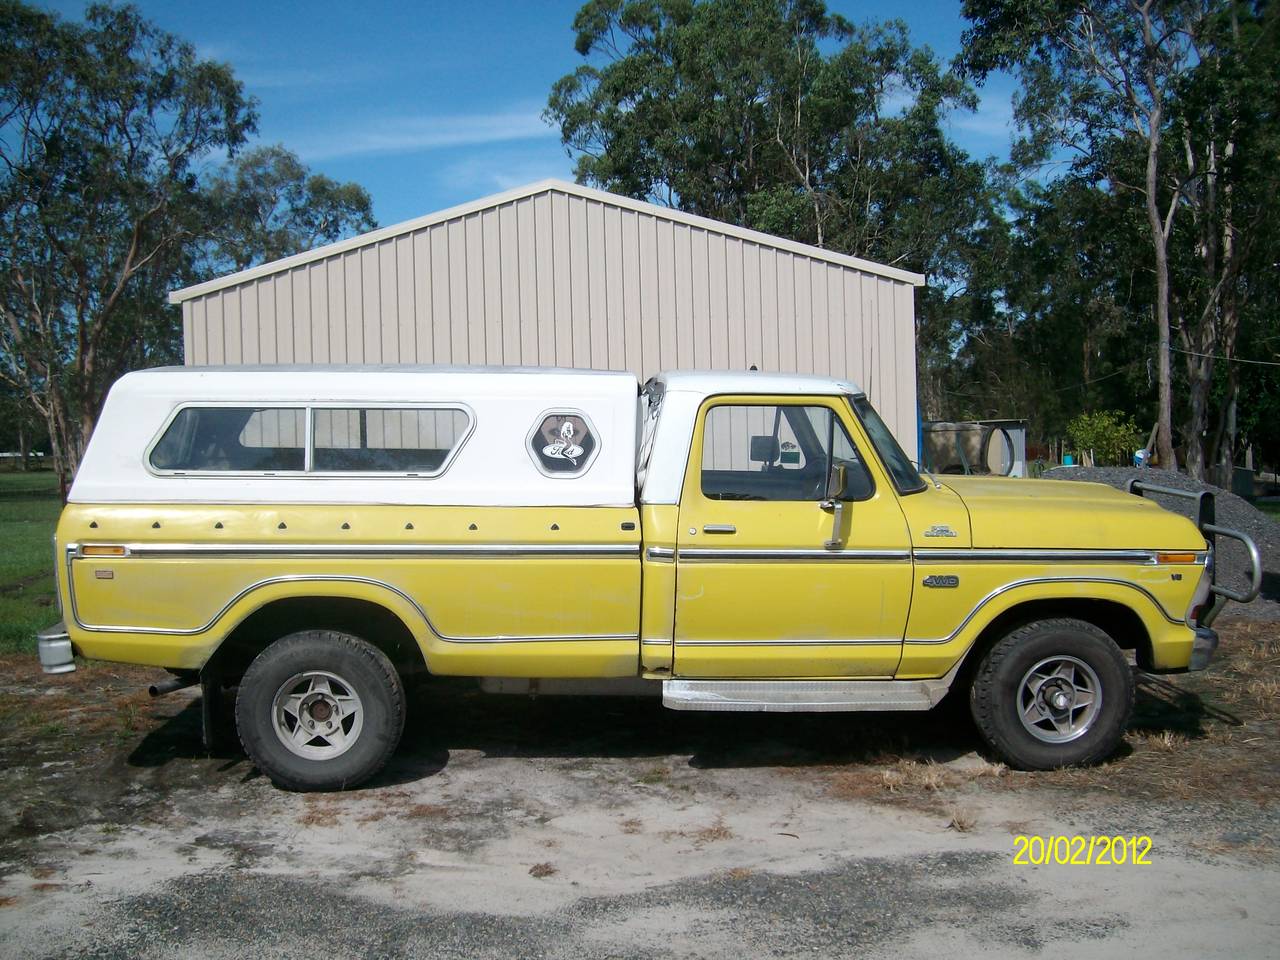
(563, 443)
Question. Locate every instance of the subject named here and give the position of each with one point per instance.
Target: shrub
(1108, 434)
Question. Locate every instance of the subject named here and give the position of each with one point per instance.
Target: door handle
(719, 528)
(837, 514)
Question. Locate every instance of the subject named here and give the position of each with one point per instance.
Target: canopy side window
(382, 440)
(233, 439)
(398, 441)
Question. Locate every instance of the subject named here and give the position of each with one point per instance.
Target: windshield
(905, 476)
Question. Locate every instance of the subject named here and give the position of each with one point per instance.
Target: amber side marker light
(103, 551)
(1175, 558)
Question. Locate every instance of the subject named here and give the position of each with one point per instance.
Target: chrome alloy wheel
(317, 715)
(1058, 699)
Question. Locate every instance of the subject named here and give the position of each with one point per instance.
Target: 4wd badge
(942, 580)
(939, 530)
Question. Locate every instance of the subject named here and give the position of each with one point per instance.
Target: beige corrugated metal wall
(567, 277)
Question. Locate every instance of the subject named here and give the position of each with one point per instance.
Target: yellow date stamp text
(1082, 851)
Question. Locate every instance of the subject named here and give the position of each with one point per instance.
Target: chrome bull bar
(1206, 521)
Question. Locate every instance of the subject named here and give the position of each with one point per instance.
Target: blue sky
(432, 104)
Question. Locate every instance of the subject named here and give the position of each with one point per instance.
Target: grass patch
(1270, 507)
(29, 508)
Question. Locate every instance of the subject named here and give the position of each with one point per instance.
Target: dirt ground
(608, 827)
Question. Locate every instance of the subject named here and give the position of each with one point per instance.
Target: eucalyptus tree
(1186, 88)
(1225, 120)
(123, 176)
(268, 205)
(103, 126)
(780, 116)
(1067, 332)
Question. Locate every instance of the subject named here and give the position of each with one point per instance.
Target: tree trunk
(1201, 381)
(1164, 420)
(1227, 459)
(84, 430)
(61, 430)
(1086, 368)
(22, 447)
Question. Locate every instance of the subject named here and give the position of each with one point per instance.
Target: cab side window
(779, 453)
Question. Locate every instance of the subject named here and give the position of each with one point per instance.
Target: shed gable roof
(530, 190)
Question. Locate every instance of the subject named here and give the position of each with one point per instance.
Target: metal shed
(557, 274)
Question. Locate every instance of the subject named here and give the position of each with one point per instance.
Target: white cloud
(498, 167)
(289, 78)
(418, 134)
(993, 118)
(274, 74)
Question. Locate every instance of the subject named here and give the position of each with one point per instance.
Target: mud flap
(214, 716)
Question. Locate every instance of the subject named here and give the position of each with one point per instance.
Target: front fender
(926, 656)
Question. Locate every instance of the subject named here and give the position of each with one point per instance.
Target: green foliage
(1070, 330)
(1171, 107)
(268, 206)
(105, 124)
(1109, 435)
(107, 203)
(775, 115)
(780, 116)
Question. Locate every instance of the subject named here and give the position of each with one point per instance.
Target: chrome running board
(804, 696)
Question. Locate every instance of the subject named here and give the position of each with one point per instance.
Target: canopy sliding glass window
(399, 441)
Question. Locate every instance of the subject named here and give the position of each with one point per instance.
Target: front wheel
(1053, 693)
(319, 710)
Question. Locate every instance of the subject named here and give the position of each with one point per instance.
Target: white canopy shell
(492, 467)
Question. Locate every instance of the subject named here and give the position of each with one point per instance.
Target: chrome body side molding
(919, 555)
(365, 550)
(1018, 555)
(729, 555)
(831, 642)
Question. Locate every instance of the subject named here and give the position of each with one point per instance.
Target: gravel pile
(1233, 511)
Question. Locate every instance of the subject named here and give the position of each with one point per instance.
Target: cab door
(793, 555)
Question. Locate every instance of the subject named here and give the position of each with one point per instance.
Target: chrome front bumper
(56, 655)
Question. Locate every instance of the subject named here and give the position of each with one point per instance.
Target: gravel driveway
(612, 828)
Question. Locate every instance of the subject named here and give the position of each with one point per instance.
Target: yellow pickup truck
(318, 537)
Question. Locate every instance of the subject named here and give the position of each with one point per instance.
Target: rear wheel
(320, 710)
(1054, 693)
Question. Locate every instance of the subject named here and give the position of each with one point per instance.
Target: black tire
(373, 695)
(997, 695)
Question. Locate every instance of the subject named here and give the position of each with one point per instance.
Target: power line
(1085, 383)
(1218, 356)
